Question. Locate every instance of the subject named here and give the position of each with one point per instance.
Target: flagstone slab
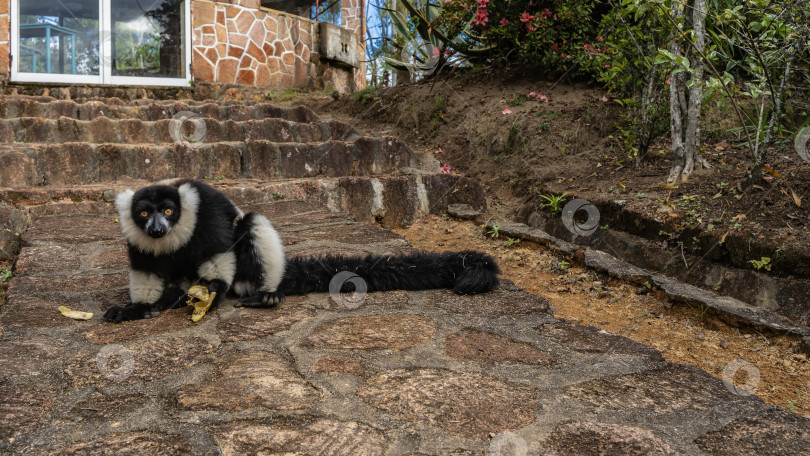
(28, 355)
(465, 404)
(777, 432)
(260, 380)
(496, 303)
(398, 332)
(256, 324)
(486, 348)
(323, 437)
(588, 438)
(670, 389)
(23, 409)
(134, 443)
(136, 362)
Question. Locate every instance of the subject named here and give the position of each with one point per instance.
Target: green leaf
(667, 54)
(400, 23)
(397, 64)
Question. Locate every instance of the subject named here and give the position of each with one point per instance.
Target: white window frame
(105, 49)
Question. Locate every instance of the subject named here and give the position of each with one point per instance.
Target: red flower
(446, 169)
(504, 22)
(526, 17)
(481, 17)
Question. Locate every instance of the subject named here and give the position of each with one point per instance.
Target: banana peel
(201, 300)
(75, 314)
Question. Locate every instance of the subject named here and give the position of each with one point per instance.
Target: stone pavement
(397, 373)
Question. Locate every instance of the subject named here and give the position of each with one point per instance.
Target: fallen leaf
(796, 198)
(771, 171)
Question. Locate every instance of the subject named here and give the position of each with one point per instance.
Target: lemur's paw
(262, 299)
(118, 314)
(114, 315)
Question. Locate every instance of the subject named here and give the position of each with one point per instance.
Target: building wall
(351, 13)
(5, 31)
(244, 44)
(237, 42)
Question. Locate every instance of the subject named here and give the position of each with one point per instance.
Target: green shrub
(549, 34)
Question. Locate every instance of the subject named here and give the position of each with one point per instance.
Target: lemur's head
(156, 209)
(158, 219)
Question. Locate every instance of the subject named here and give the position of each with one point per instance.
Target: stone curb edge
(730, 307)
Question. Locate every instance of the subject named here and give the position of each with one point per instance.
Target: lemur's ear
(189, 198)
(123, 202)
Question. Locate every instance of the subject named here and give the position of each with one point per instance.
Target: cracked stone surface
(427, 373)
(396, 331)
(465, 404)
(488, 348)
(261, 380)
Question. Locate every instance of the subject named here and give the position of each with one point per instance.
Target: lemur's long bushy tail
(464, 272)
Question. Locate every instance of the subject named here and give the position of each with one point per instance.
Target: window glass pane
(147, 38)
(59, 37)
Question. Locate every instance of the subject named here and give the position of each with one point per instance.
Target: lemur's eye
(168, 212)
(144, 214)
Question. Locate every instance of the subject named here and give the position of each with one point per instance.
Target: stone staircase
(399, 373)
(93, 146)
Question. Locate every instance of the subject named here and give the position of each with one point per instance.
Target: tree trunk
(685, 102)
(761, 149)
(647, 125)
(677, 103)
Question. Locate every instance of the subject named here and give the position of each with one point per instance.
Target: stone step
(24, 165)
(200, 91)
(392, 201)
(147, 109)
(167, 130)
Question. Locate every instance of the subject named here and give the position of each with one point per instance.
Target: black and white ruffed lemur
(184, 232)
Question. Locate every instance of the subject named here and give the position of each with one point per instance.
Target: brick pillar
(350, 15)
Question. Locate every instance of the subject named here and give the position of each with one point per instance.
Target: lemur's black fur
(184, 232)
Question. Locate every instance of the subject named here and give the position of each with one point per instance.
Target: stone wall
(350, 16)
(351, 19)
(5, 68)
(244, 44)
